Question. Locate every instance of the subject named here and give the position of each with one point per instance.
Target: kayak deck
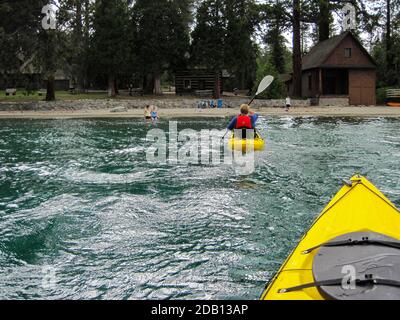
(256, 144)
(356, 208)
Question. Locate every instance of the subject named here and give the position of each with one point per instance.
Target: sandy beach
(171, 113)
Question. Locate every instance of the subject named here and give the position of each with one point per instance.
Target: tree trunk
(78, 44)
(86, 44)
(116, 86)
(148, 83)
(157, 83)
(324, 23)
(389, 55)
(297, 63)
(50, 95)
(111, 86)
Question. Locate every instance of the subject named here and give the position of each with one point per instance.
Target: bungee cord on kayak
(357, 257)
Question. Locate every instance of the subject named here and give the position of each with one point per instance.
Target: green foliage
(387, 76)
(277, 89)
(22, 96)
(379, 55)
(27, 47)
(275, 16)
(162, 34)
(222, 39)
(240, 54)
(145, 39)
(78, 15)
(208, 45)
(161, 37)
(381, 95)
(110, 29)
(19, 26)
(278, 50)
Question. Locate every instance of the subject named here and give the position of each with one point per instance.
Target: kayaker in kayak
(245, 121)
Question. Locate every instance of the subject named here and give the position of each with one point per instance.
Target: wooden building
(29, 76)
(198, 82)
(339, 67)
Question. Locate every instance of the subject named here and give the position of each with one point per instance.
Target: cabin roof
(323, 50)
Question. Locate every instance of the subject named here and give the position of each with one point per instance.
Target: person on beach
(246, 120)
(154, 114)
(288, 103)
(200, 105)
(147, 114)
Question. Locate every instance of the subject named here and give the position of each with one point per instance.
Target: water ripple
(79, 198)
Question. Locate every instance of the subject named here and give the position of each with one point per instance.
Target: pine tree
(297, 59)
(288, 15)
(275, 17)
(78, 58)
(223, 39)
(111, 19)
(20, 25)
(49, 54)
(161, 38)
(240, 54)
(209, 36)
(265, 67)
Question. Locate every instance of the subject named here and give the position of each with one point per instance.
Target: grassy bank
(66, 96)
(21, 96)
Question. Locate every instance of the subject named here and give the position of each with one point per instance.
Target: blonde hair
(244, 109)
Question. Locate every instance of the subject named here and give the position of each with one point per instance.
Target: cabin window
(347, 53)
(187, 84)
(310, 82)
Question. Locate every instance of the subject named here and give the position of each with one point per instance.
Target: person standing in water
(154, 114)
(288, 103)
(147, 114)
(246, 120)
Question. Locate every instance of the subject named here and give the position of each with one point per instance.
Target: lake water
(83, 215)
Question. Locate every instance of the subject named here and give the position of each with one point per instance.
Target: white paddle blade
(265, 83)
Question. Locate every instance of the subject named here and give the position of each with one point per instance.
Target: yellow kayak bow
(352, 251)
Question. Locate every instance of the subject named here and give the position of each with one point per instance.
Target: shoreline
(170, 113)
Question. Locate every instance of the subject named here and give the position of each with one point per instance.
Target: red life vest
(243, 122)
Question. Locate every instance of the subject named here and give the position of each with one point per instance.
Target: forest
(111, 44)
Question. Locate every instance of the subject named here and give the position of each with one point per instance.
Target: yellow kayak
(246, 145)
(351, 252)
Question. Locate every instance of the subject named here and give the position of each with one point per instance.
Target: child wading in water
(154, 114)
(147, 114)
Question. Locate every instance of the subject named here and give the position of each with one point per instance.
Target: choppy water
(84, 216)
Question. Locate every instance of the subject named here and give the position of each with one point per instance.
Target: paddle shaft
(252, 100)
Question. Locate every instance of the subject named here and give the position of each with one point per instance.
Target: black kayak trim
(350, 242)
(369, 280)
